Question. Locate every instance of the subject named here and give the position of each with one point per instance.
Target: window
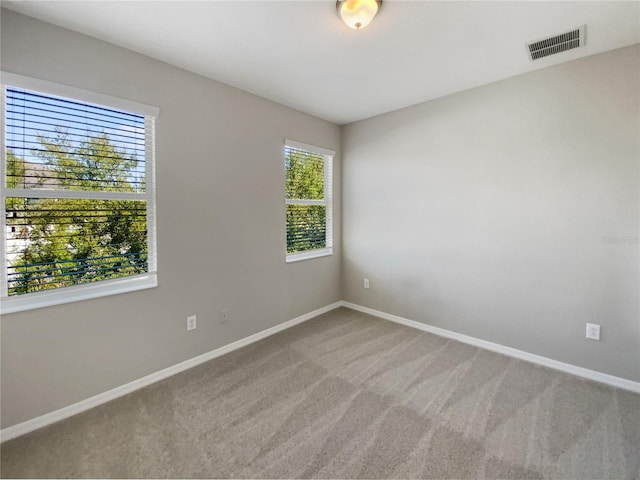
(308, 176)
(77, 193)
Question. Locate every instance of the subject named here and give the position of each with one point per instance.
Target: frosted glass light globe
(357, 14)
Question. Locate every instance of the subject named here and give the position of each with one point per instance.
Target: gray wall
(508, 212)
(221, 243)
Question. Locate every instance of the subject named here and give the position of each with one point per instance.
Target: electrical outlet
(366, 283)
(191, 323)
(224, 316)
(593, 331)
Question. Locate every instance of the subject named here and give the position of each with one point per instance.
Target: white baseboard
(65, 412)
(511, 352)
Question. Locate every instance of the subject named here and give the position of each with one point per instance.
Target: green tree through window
(308, 205)
(59, 146)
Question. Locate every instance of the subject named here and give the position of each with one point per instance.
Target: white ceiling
(300, 54)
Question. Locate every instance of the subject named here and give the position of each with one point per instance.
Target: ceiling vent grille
(559, 43)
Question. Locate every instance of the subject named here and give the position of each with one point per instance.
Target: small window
(78, 195)
(308, 178)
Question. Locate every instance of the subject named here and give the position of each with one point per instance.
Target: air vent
(560, 43)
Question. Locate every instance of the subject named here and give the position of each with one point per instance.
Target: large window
(308, 175)
(77, 194)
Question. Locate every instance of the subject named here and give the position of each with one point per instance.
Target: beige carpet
(347, 395)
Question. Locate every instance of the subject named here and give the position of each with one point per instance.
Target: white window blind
(308, 199)
(78, 196)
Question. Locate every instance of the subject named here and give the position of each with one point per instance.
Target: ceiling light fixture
(357, 14)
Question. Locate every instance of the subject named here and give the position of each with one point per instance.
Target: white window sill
(296, 257)
(58, 296)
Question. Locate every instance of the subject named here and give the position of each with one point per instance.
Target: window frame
(101, 288)
(328, 156)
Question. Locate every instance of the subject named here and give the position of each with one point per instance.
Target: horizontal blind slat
(23, 135)
(19, 93)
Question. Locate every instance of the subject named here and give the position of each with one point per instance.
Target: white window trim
(328, 202)
(52, 88)
(319, 252)
(58, 296)
(76, 293)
